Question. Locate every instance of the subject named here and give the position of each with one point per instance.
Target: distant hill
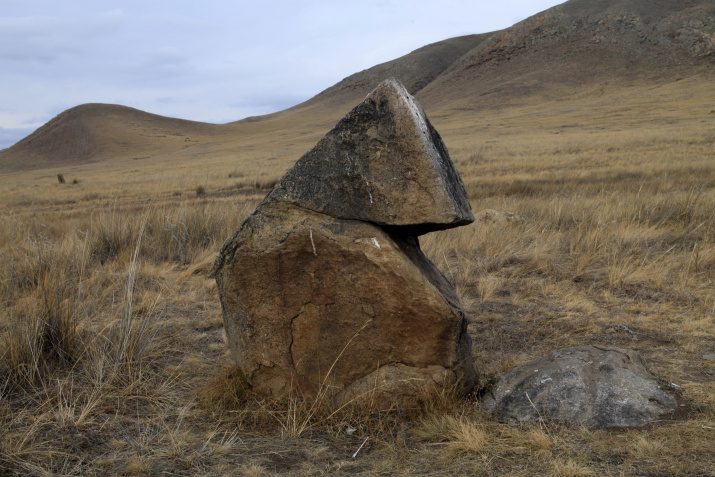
(93, 132)
(581, 43)
(568, 48)
(414, 70)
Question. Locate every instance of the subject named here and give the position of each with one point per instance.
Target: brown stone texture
(312, 301)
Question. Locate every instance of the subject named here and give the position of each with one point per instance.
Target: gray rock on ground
(590, 385)
(324, 288)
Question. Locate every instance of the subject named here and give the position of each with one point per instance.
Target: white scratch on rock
(313, 243)
(375, 242)
(368, 190)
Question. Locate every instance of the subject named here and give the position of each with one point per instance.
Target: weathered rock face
(317, 300)
(590, 385)
(382, 163)
(324, 292)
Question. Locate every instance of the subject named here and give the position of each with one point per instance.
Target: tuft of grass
(41, 325)
(461, 434)
(138, 465)
(540, 441)
(227, 389)
(264, 184)
(570, 468)
(254, 470)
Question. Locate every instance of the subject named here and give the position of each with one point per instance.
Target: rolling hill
(579, 44)
(576, 48)
(92, 132)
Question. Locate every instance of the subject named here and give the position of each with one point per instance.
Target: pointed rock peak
(382, 163)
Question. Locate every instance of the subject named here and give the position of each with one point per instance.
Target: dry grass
(113, 358)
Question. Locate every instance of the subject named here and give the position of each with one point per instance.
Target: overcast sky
(212, 60)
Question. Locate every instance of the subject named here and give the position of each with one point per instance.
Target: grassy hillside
(579, 47)
(103, 132)
(93, 133)
(113, 358)
(581, 44)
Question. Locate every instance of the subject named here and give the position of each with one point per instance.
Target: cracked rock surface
(324, 288)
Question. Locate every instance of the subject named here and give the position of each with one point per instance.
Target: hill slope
(93, 132)
(582, 43)
(414, 70)
(570, 49)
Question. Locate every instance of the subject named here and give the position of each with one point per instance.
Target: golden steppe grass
(114, 360)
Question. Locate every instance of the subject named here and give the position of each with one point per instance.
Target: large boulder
(324, 288)
(382, 163)
(314, 301)
(590, 385)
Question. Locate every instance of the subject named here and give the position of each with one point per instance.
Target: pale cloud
(8, 137)
(45, 39)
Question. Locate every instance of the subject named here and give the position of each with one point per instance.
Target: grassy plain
(113, 357)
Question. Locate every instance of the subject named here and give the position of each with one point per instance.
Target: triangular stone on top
(382, 163)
